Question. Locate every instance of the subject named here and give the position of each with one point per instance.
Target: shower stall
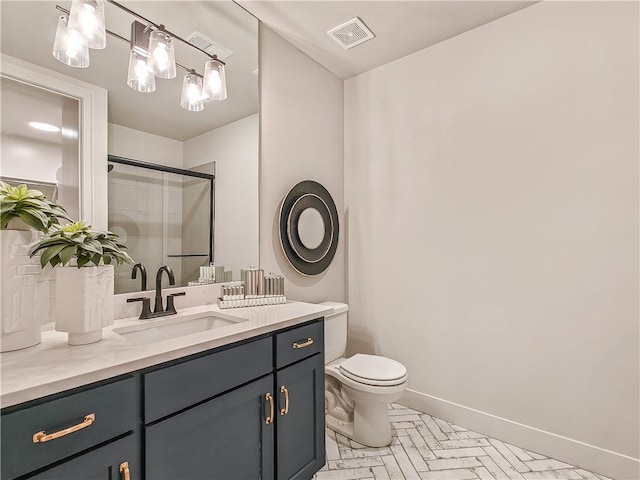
(164, 215)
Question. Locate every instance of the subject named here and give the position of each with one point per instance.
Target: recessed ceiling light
(45, 127)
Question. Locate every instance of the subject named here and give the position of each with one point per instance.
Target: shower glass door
(164, 216)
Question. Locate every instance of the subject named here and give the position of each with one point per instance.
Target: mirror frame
(308, 194)
(92, 135)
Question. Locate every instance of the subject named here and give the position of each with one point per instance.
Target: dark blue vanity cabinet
(247, 411)
(300, 391)
(206, 418)
(103, 463)
(99, 419)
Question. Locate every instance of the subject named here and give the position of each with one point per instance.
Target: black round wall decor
(308, 195)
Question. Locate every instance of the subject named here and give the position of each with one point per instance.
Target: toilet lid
(373, 370)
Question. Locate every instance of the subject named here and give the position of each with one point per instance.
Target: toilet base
(370, 426)
(339, 426)
(359, 411)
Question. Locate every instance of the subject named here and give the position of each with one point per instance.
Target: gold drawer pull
(269, 419)
(285, 410)
(306, 343)
(42, 437)
(124, 470)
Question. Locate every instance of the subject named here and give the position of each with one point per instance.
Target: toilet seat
(373, 370)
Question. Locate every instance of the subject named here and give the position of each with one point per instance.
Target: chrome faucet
(158, 309)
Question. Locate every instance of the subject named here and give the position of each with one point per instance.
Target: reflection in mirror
(164, 215)
(311, 228)
(40, 142)
(152, 127)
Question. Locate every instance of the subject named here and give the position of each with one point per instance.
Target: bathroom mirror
(221, 141)
(49, 159)
(61, 159)
(309, 227)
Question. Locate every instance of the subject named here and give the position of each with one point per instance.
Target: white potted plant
(84, 260)
(25, 288)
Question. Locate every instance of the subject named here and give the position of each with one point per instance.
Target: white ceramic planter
(84, 302)
(25, 291)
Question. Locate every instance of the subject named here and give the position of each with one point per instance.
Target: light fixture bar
(159, 26)
(120, 37)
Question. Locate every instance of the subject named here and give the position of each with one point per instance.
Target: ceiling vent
(352, 33)
(212, 48)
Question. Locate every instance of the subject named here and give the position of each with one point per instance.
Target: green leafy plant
(31, 206)
(78, 240)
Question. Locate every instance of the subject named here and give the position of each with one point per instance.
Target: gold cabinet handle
(269, 419)
(306, 343)
(124, 470)
(42, 436)
(285, 410)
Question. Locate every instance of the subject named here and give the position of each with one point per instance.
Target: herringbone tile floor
(428, 448)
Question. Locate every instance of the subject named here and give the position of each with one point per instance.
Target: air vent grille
(212, 48)
(352, 33)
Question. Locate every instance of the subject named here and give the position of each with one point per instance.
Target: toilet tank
(335, 331)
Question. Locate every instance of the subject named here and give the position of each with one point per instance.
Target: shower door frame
(179, 171)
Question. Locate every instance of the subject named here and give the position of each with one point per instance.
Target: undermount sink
(168, 328)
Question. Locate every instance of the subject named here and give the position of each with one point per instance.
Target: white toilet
(358, 389)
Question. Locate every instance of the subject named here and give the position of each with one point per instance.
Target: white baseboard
(589, 457)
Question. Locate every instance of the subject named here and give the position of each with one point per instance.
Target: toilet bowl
(358, 389)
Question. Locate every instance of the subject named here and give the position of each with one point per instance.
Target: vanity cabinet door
(300, 419)
(119, 460)
(224, 438)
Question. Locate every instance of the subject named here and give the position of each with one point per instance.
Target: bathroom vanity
(248, 404)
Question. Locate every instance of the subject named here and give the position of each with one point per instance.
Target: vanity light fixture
(69, 46)
(215, 83)
(87, 17)
(152, 52)
(163, 57)
(192, 99)
(140, 76)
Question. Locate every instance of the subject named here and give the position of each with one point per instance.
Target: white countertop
(54, 366)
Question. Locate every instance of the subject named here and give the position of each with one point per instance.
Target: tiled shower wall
(145, 209)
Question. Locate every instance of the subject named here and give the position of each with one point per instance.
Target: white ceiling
(28, 30)
(401, 27)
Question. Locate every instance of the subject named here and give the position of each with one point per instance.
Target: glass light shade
(70, 46)
(191, 99)
(87, 16)
(214, 83)
(140, 76)
(163, 56)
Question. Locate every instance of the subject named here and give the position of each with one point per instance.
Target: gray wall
(301, 121)
(491, 186)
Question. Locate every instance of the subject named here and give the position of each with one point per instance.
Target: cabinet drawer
(180, 386)
(114, 412)
(298, 343)
(109, 462)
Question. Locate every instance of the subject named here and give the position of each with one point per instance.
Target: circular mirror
(311, 228)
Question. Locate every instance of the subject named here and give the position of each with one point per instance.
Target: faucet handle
(170, 306)
(146, 306)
